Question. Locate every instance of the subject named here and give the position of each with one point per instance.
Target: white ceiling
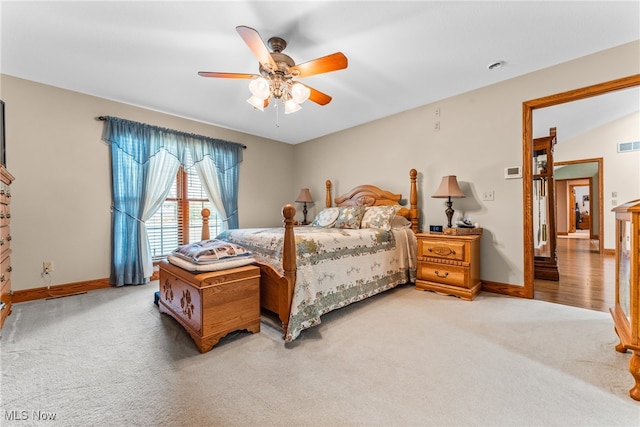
(401, 54)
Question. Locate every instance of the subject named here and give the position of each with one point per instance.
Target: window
(179, 219)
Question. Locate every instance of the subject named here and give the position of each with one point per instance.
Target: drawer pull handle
(2, 278)
(10, 269)
(442, 276)
(443, 251)
(1, 241)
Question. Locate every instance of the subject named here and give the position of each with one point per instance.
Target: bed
(307, 271)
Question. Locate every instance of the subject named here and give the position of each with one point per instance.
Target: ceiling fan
(278, 71)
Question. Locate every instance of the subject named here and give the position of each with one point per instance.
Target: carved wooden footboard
(276, 290)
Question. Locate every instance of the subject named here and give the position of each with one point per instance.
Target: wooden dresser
(5, 244)
(449, 264)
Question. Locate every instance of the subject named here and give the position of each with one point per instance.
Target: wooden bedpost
(328, 201)
(413, 200)
(205, 224)
(289, 265)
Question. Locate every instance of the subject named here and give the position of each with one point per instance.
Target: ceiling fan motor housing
(283, 62)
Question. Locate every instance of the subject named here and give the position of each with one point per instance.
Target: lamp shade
(300, 93)
(257, 103)
(291, 107)
(260, 88)
(448, 188)
(304, 196)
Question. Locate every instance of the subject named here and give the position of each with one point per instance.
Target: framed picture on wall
(3, 156)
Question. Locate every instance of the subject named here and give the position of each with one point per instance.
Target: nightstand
(449, 264)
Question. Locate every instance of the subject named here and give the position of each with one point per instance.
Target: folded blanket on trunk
(210, 251)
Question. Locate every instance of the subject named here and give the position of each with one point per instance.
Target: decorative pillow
(400, 222)
(210, 251)
(350, 217)
(326, 218)
(379, 216)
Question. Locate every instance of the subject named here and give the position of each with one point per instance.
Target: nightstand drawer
(443, 273)
(441, 249)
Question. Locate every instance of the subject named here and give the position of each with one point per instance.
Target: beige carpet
(403, 358)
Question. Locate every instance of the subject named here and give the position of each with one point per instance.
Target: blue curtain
(133, 145)
(225, 158)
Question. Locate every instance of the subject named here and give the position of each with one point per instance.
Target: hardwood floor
(587, 279)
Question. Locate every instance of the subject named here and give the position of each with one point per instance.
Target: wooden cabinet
(626, 313)
(584, 223)
(449, 264)
(544, 209)
(5, 244)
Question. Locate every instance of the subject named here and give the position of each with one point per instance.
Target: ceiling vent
(624, 147)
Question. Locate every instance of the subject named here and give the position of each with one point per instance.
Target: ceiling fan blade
(318, 97)
(257, 46)
(335, 61)
(226, 75)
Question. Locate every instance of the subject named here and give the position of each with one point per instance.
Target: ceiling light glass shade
(256, 102)
(291, 107)
(259, 87)
(300, 93)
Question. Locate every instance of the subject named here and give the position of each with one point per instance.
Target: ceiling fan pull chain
(275, 104)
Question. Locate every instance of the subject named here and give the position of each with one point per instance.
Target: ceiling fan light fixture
(256, 102)
(300, 93)
(260, 88)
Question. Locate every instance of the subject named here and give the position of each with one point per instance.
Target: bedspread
(335, 267)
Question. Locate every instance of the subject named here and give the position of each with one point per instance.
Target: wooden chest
(212, 304)
(449, 264)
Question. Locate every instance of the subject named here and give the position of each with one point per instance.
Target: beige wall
(61, 204)
(480, 134)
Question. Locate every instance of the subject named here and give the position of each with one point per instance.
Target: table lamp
(304, 197)
(448, 188)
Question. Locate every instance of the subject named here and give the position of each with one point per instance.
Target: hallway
(587, 279)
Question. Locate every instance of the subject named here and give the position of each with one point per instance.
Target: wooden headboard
(370, 195)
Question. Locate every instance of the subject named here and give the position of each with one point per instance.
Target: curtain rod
(103, 119)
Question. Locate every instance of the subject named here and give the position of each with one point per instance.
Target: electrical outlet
(488, 195)
(437, 126)
(47, 267)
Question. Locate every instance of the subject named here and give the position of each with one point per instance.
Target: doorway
(527, 152)
(579, 202)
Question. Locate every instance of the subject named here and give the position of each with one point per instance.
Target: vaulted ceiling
(401, 54)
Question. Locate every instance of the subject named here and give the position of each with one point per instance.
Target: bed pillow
(379, 216)
(350, 217)
(326, 218)
(400, 222)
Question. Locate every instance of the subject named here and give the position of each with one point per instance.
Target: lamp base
(304, 212)
(449, 212)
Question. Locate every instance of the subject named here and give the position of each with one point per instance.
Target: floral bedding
(335, 267)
